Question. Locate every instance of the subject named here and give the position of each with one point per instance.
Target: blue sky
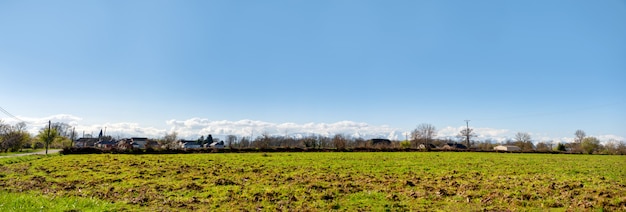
(544, 67)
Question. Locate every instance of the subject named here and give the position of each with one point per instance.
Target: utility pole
(467, 133)
(73, 129)
(48, 138)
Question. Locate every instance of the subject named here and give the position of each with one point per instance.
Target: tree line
(15, 137)
(58, 135)
(425, 133)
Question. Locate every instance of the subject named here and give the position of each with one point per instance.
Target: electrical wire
(10, 115)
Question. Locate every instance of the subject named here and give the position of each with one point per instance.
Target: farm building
(217, 145)
(506, 148)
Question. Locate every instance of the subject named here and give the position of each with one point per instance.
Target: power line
(10, 115)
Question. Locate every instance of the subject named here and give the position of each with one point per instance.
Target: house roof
(138, 138)
(86, 139)
(191, 143)
(106, 142)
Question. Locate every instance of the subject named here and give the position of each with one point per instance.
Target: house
(451, 146)
(139, 142)
(85, 142)
(217, 145)
(507, 148)
(185, 144)
(125, 143)
(106, 144)
(380, 141)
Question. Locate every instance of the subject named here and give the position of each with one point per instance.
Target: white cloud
(36, 124)
(195, 127)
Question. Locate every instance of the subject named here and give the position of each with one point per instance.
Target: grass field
(317, 181)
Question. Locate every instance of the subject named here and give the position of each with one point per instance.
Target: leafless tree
(244, 142)
(424, 133)
(230, 140)
(20, 127)
(340, 141)
(524, 141)
(262, 142)
(578, 140)
(466, 134)
(522, 137)
(580, 135)
(169, 140)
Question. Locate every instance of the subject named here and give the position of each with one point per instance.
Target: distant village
(143, 143)
(106, 142)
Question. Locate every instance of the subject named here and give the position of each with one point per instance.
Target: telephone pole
(73, 129)
(48, 138)
(467, 133)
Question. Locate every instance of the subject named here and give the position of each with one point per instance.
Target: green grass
(416, 181)
(37, 202)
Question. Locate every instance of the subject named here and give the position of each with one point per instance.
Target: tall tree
(580, 135)
(231, 140)
(466, 135)
(424, 133)
(524, 141)
(209, 139)
(340, 141)
(578, 139)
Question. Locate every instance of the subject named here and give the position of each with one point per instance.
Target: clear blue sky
(545, 67)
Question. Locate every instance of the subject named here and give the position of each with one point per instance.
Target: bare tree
(244, 142)
(522, 137)
(466, 134)
(424, 133)
(580, 135)
(263, 141)
(169, 140)
(230, 140)
(524, 141)
(578, 140)
(63, 129)
(340, 141)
